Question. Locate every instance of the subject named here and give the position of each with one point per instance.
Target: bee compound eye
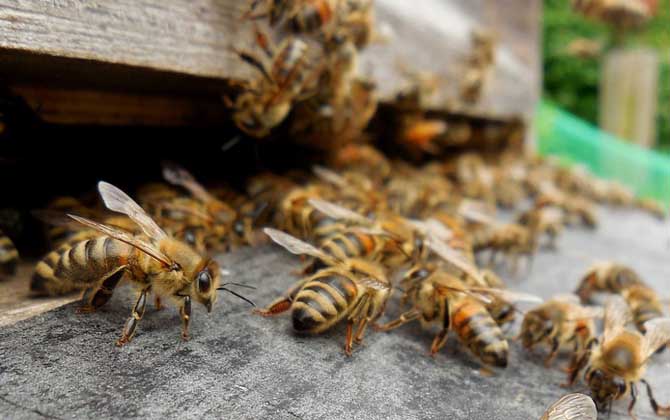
(204, 281)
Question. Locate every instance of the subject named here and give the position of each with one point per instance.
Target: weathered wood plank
(16, 303)
(434, 36)
(81, 106)
(190, 37)
(107, 44)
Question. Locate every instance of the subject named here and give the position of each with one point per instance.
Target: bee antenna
(238, 284)
(238, 295)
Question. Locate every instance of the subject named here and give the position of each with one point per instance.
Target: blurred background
(590, 57)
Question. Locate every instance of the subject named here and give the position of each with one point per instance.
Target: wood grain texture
(16, 303)
(434, 36)
(190, 37)
(80, 106)
(116, 43)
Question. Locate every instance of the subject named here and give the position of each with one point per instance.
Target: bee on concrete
(559, 322)
(152, 260)
(611, 277)
(438, 297)
(351, 289)
(615, 362)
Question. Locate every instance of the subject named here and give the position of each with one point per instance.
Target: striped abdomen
(80, 266)
(643, 303)
(322, 302)
(9, 256)
(350, 245)
(479, 332)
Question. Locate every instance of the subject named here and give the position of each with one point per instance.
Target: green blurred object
(574, 140)
(572, 82)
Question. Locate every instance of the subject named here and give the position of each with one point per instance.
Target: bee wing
(177, 175)
(295, 245)
(657, 334)
(54, 218)
(572, 407)
(118, 201)
(329, 176)
(579, 312)
(508, 295)
(567, 298)
(337, 212)
(475, 212)
(482, 297)
(617, 315)
(372, 283)
(432, 227)
(452, 256)
(126, 237)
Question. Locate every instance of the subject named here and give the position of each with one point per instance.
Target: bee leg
(102, 294)
(157, 303)
(356, 315)
(284, 303)
(552, 354)
(135, 317)
(439, 341)
(349, 338)
(658, 409)
(404, 318)
(633, 399)
(185, 313)
(360, 330)
(580, 363)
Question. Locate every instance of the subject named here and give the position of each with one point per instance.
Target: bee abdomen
(79, 266)
(9, 256)
(322, 302)
(482, 335)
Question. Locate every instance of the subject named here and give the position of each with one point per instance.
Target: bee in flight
(572, 407)
(351, 289)
(152, 260)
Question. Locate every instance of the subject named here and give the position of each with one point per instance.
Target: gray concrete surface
(239, 366)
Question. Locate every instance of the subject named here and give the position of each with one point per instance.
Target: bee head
(205, 283)
(535, 328)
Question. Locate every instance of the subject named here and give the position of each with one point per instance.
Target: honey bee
(559, 322)
(9, 256)
(572, 407)
(301, 16)
(652, 207)
(479, 66)
(611, 277)
(616, 362)
(153, 261)
(60, 229)
(218, 217)
(402, 239)
(362, 158)
(543, 221)
(576, 209)
(440, 298)
(512, 239)
(351, 289)
(265, 102)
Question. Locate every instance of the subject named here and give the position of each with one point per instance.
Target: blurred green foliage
(572, 82)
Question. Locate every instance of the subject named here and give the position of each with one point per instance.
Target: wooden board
(173, 46)
(15, 300)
